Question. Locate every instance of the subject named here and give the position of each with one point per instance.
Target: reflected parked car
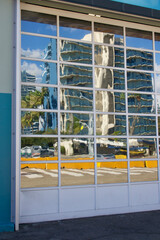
(46, 152)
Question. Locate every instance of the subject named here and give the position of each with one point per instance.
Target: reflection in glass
(159, 126)
(157, 64)
(72, 99)
(158, 103)
(77, 149)
(39, 149)
(157, 41)
(75, 29)
(75, 52)
(142, 148)
(77, 124)
(110, 101)
(35, 175)
(112, 172)
(157, 77)
(110, 34)
(78, 76)
(107, 124)
(38, 47)
(109, 78)
(79, 173)
(109, 56)
(111, 148)
(139, 60)
(38, 23)
(139, 39)
(142, 125)
(38, 123)
(38, 97)
(141, 103)
(143, 171)
(140, 81)
(38, 72)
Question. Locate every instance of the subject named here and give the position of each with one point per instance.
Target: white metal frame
(92, 19)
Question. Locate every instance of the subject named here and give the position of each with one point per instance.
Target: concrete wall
(6, 79)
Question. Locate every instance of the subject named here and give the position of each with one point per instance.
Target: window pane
(107, 124)
(109, 78)
(77, 174)
(110, 34)
(111, 148)
(158, 103)
(39, 149)
(142, 171)
(142, 125)
(139, 81)
(72, 99)
(139, 60)
(159, 126)
(76, 124)
(157, 41)
(109, 56)
(138, 39)
(77, 149)
(38, 23)
(112, 172)
(38, 72)
(35, 175)
(157, 83)
(75, 52)
(39, 123)
(75, 29)
(157, 64)
(38, 47)
(141, 103)
(142, 148)
(38, 97)
(110, 101)
(76, 75)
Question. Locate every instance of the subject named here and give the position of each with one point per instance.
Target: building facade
(80, 123)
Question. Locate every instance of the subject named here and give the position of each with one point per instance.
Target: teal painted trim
(5, 158)
(9, 227)
(153, 4)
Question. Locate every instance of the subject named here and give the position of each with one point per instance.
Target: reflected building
(26, 77)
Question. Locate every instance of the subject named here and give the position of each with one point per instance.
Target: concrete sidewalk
(134, 226)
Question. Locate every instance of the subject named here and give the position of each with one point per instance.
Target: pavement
(132, 226)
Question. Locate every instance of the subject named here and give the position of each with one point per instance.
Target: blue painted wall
(5, 162)
(154, 4)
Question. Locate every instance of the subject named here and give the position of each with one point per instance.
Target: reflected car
(36, 151)
(46, 152)
(26, 152)
(109, 156)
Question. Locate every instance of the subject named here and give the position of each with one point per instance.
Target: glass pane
(35, 175)
(141, 103)
(38, 23)
(110, 34)
(75, 52)
(140, 81)
(38, 97)
(139, 39)
(38, 72)
(76, 75)
(157, 83)
(77, 174)
(107, 124)
(109, 78)
(142, 125)
(72, 99)
(38, 47)
(158, 104)
(110, 101)
(109, 56)
(142, 171)
(75, 29)
(111, 148)
(142, 148)
(157, 64)
(77, 149)
(39, 123)
(39, 149)
(139, 60)
(157, 41)
(112, 172)
(77, 124)
(159, 126)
